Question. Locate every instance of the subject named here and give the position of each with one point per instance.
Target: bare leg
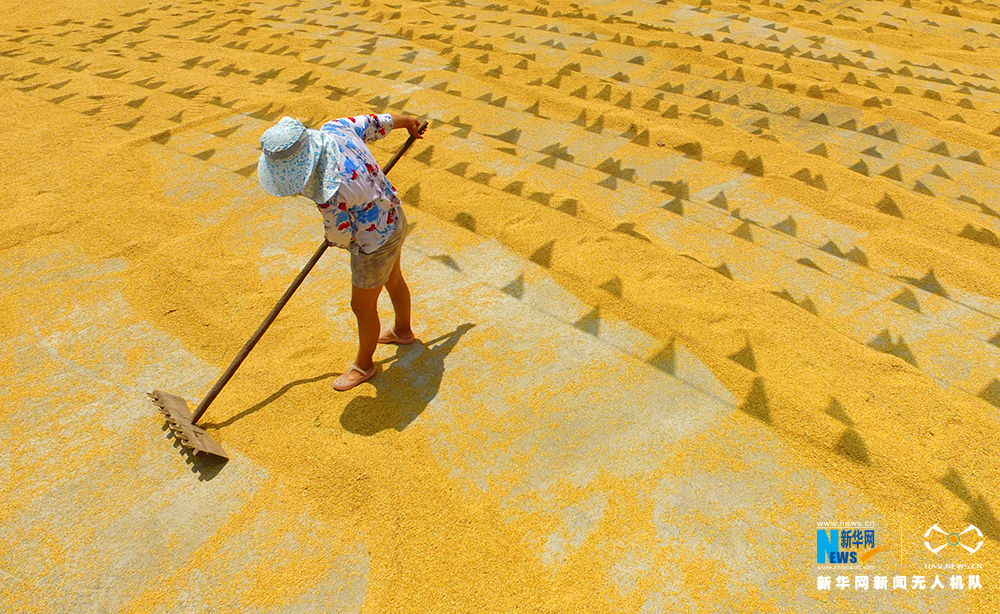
(364, 303)
(399, 292)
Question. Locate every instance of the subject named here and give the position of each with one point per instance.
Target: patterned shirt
(361, 216)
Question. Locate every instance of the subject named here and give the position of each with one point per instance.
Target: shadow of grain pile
(802, 192)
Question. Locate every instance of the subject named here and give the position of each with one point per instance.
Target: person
(361, 213)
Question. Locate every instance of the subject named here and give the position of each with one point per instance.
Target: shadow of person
(404, 389)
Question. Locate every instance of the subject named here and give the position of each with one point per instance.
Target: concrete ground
(644, 372)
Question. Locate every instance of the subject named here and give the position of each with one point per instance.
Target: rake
(179, 418)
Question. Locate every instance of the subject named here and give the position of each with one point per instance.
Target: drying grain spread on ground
(706, 298)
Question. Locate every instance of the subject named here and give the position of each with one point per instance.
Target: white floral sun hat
(295, 159)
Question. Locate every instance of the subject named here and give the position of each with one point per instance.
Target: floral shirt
(361, 216)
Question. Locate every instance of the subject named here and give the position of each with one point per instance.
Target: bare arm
(410, 123)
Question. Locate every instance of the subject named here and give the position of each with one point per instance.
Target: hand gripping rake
(179, 418)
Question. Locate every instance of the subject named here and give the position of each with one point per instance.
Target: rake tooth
(177, 417)
(179, 433)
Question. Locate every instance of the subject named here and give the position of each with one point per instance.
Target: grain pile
(689, 279)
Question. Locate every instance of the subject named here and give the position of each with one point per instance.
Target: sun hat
(295, 159)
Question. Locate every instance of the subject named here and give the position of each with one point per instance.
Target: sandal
(342, 383)
(390, 336)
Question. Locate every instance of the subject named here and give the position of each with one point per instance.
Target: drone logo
(953, 539)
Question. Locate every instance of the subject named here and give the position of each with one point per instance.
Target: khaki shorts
(373, 270)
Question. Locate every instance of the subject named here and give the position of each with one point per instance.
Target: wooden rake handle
(233, 366)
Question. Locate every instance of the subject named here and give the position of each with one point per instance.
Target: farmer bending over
(334, 168)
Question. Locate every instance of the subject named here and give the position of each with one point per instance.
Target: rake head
(179, 420)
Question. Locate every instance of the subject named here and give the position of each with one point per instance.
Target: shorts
(372, 270)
